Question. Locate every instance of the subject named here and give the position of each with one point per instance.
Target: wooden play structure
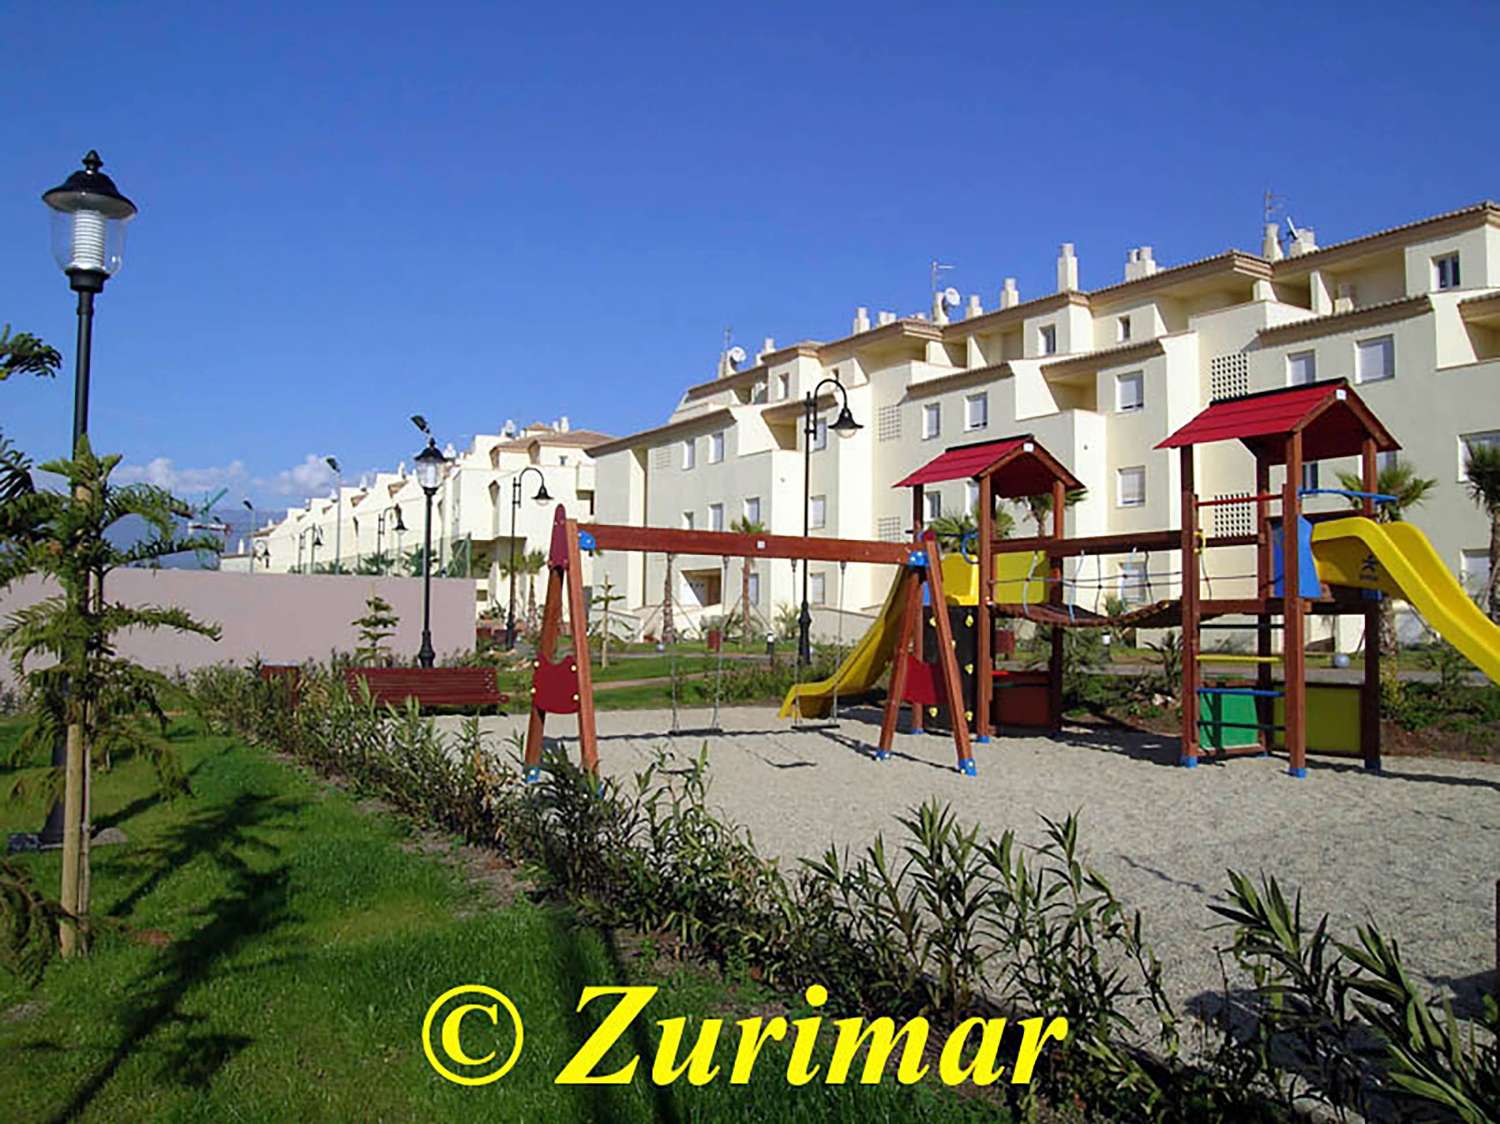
(1330, 563)
(563, 684)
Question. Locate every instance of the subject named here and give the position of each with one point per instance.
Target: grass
(269, 952)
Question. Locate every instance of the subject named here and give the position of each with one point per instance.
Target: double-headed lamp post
(843, 426)
(541, 496)
(430, 464)
(338, 516)
(88, 240)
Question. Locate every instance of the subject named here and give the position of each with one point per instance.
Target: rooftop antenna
(1272, 204)
(937, 268)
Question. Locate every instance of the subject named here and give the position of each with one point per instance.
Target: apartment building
(1410, 315)
(379, 523)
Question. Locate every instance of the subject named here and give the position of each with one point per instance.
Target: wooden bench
(430, 686)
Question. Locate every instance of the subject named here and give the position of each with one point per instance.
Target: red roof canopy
(1329, 415)
(1017, 466)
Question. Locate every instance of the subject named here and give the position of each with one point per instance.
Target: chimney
(939, 309)
(1270, 243)
(562, 424)
(1304, 241)
(885, 318)
(975, 308)
(1010, 296)
(767, 346)
(1067, 269)
(861, 320)
(1139, 263)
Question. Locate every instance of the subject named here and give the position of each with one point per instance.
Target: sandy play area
(1417, 848)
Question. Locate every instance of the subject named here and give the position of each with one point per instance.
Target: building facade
(1410, 316)
(376, 527)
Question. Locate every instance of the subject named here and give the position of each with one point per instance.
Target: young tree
(376, 627)
(668, 626)
(606, 601)
(1400, 481)
(1040, 508)
(532, 563)
(1482, 470)
(64, 646)
(746, 526)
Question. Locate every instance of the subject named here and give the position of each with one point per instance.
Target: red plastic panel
(554, 686)
(921, 684)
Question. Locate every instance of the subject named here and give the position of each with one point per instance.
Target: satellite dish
(951, 297)
(737, 355)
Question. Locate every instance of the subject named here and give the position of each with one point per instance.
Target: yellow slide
(860, 670)
(1398, 559)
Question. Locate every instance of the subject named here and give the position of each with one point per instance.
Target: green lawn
(273, 950)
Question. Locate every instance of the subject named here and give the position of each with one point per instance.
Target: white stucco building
(379, 522)
(1410, 315)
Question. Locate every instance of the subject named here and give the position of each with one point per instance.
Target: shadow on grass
(253, 904)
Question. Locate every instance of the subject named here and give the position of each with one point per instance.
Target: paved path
(1417, 849)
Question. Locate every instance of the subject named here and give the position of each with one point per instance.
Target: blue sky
(350, 214)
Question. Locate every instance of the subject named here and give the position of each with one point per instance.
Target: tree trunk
(1390, 649)
(1494, 580)
(668, 628)
(604, 629)
(69, 936)
(531, 603)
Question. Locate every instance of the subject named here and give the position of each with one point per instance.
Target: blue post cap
(1188, 762)
(586, 541)
(882, 755)
(1300, 774)
(968, 768)
(533, 774)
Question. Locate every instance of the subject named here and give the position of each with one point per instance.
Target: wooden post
(1293, 631)
(1191, 679)
(911, 625)
(545, 646)
(1055, 596)
(588, 737)
(1265, 706)
(917, 519)
(947, 657)
(984, 659)
(1369, 693)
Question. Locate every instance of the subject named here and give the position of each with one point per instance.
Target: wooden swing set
(563, 684)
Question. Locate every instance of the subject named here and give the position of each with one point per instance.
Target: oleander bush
(940, 922)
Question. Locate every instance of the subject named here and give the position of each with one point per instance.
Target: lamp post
(261, 550)
(397, 525)
(843, 426)
(430, 465)
(515, 504)
(317, 541)
(88, 241)
(338, 516)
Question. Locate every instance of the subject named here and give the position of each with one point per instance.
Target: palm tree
(1482, 470)
(1040, 508)
(744, 525)
(668, 627)
(532, 563)
(951, 529)
(1408, 490)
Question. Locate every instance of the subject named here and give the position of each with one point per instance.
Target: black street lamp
(338, 518)
(843, 426)
(317, 541)
(88, 240)
(396, 525)
(515, 503)
(430, 465)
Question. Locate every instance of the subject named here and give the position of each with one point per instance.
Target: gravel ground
(1416, 849)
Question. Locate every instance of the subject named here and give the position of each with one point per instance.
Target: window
(783, 384)
(817, 511)
(1047, 339)
(820, 435)
(932, 503)
(977, 410)
(1474, 570)
(1130, 391)
(715, 447)
(1301, 368)
(817, 589)
(1445, 271)
(971, 496)
(1375, 359)
(1385, 461)
(1130, 486)
(1471, 441)
(1132, 587)
(687, 520)
(753, 593)
(1310, 474)
(715, 517)
(1122, 329)
(932, 421)
(752, 510)
(689, 453)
